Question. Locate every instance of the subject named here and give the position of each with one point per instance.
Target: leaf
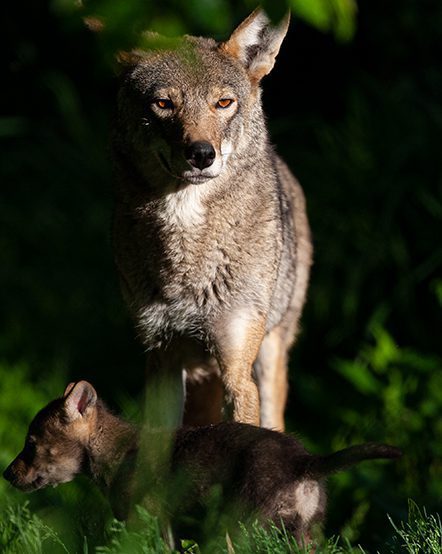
(358, 375)
(337, 16)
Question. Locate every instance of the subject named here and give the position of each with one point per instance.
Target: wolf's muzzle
(200, 154)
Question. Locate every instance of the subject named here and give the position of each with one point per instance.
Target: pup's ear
(79, 397)
(256, 43)
(68, 389)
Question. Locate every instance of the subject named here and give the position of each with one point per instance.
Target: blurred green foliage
(337, 16)
(360, 125)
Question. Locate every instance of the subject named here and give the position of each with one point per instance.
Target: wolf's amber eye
(164, 103)
(224, 103)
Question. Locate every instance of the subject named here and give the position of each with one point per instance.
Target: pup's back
(271, 474)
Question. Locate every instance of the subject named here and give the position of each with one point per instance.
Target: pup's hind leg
(271, 374)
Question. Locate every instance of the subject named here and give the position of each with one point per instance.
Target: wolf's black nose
(200, 154)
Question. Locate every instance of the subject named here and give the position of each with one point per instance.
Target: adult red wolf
(211, 237)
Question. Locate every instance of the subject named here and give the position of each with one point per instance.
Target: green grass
(421, 534)
(22, 531)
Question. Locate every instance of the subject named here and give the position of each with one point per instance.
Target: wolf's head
(186, 108)
(54, 446)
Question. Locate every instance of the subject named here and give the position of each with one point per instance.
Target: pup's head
(55, 443)
(187, 106)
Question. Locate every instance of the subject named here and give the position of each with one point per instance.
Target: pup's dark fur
(267, 473)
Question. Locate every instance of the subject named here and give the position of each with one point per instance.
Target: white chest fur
(185, 208)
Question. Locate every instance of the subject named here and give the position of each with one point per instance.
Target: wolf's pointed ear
(78, 398)
(256, 43)
(148, 41)
(129, 58)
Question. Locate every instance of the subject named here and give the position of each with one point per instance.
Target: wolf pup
(211, 237)
(269, 474)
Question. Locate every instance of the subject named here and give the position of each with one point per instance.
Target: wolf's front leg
(271, 374)
(237, 342)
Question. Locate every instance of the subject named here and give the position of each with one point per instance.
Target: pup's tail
(320, 466)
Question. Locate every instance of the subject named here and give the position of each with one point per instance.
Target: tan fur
(246, 34)
(211, 237)
(238, 346)
(272, 379)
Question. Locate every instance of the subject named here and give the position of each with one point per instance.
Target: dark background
(357, 116)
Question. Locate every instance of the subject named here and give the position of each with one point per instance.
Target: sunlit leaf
(337, 16)
(358, 375)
